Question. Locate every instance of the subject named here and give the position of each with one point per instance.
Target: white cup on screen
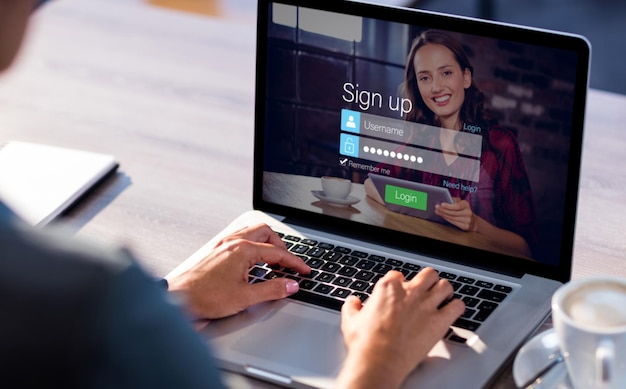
(336, 187)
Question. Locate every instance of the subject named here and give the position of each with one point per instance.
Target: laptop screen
(450, 134)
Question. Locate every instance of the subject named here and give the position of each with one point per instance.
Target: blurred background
(603, 22)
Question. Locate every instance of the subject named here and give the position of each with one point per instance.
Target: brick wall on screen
(528, 90)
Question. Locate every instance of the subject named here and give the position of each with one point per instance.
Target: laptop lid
(341, 93)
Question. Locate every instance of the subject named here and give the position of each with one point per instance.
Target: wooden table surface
(171, 95)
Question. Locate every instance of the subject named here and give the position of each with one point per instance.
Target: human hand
(397, 327)
(218, 285)
(459, 214)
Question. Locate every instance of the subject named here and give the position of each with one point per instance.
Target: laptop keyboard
(338, 272)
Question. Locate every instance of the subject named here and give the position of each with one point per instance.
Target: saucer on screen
(536, 355)
(334, 201)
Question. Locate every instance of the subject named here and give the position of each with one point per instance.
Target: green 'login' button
(406, 197)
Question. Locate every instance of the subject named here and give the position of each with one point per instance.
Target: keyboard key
(376, 258)
(271, 275)
(359, 285)
(311, 275)
(485, 309)
(348, 260)
(347, 271)
(299, 249)
(342, 250)
(411, 266)
(325, 277)
(292, 238)
(323, 288)
(342, 281)
(364, 275)
(310, 242)
(382, 268)
(366, 264)
(484, 284)
(257, 271)
(341, 293)
(466, 324)
(307, 284)
(318, 299)
(470, 301)
(487, 305)
(325, 246)
(331, 267)
(359, 254)
(315, 252)
(491, 295)
(503, 289)
(457, 339)
(469, 290)
(394, 262)
(466, 280)
(447, 276)
(332, 256)
(469, 312)
(315, 263)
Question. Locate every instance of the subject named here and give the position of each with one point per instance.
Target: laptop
(411, 198)
(332, 100)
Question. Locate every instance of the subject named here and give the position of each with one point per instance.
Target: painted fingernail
(292, 286)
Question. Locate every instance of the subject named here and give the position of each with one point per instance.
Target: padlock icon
(348, 146)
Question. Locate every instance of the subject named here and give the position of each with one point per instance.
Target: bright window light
(346, 27)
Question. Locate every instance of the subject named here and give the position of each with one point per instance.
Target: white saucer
(534, 356)
(334, 201)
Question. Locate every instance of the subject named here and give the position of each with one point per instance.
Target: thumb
(275, 289)
(351, 307)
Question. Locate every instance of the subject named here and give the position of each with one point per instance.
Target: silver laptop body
(317, 60)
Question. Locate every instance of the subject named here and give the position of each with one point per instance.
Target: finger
(453, 213)
(424, 280)
(442, 291)
(270, 290)
(447, 207)
(262, 233)
(351, 306)
(452, 311)
(389, 277)
(272, 255)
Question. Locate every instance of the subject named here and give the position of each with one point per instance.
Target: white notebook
(38, 182)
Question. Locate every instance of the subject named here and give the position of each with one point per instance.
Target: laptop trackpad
(291, 340)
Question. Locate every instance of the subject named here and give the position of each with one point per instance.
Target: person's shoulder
(55, 253)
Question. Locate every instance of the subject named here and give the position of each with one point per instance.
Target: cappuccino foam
(598, 305)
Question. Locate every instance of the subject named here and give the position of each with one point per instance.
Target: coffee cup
(589, 317)
(336, 187)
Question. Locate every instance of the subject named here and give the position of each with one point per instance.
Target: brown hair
(472, 110)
